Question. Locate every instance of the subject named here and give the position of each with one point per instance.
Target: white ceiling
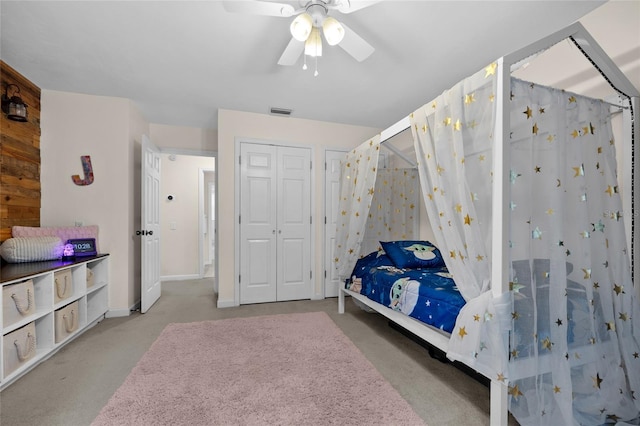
(180, 61)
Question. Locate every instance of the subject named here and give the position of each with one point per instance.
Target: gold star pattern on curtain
(358, 177)
(574, 207)
(556, 213)
(565, 210)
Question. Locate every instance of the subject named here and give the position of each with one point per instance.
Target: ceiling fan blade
(355, 45)
(292, 52)
(349, 6)
(255, 7)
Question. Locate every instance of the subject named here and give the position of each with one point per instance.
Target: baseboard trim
(115, 313)
(226, 303)
(179, 277)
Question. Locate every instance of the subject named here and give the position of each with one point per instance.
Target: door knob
(139, 232)
(149, 232)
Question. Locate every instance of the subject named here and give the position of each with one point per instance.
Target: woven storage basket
(18, 302)
(19, 347)
(67, 321)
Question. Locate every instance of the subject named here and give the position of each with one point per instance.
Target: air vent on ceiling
(280, 111)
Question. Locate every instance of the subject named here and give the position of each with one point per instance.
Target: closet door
(333, 160)
(294, 224)
(257, 223)
(275, 223)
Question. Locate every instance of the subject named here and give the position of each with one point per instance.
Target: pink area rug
(296, 369)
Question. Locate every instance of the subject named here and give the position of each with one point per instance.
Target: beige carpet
(294, 369)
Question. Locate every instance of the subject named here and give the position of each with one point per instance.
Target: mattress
(430, 295)
(426, 294)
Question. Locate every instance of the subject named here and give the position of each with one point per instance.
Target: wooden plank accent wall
(19, 157)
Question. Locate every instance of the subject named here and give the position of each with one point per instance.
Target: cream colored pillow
(31, 249)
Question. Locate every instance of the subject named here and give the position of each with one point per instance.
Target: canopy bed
(520, 186)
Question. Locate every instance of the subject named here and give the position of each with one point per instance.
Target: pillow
(413, 254)
(63, 232)
(31, 249)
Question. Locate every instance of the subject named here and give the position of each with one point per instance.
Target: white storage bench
(46, 305)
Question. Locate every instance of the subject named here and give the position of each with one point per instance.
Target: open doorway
(207, 208)
(187, 205)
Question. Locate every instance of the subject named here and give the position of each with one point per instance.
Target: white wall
(285, 130)
(107, 129)
(186, 138)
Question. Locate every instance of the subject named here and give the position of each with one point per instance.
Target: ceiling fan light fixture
(301, 27)
(313, 45)
(333, 31)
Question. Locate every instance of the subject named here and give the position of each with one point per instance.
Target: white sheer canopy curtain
(453, 142)
(357, 185)
(394, 209)
(573, 354)
(575, 320)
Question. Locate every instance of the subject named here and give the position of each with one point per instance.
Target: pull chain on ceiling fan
(305, 28)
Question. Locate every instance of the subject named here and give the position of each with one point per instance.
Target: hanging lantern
(14, 106)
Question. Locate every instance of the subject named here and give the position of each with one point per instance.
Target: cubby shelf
(86, 303)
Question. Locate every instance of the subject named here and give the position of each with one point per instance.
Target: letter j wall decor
(88, 172)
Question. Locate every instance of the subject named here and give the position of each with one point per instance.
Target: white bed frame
(500, 220)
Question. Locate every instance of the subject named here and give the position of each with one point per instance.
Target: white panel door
(257, 223)
(331, 199)
(150, 225)
(294, 223)
(275, 223)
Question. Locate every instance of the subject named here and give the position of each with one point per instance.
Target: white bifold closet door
(333, 160)
(275, 223)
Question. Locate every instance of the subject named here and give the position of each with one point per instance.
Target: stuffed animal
(356, 284)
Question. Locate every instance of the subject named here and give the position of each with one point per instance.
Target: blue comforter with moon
(427, 294)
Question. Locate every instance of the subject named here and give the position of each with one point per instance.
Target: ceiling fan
(312, 19)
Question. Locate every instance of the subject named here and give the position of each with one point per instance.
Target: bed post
(340, 301)
(634, 143)
(630, 151)
(616, 78)
(398, 127)
(500, 222)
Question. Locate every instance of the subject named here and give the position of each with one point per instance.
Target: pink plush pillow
(63, 232)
